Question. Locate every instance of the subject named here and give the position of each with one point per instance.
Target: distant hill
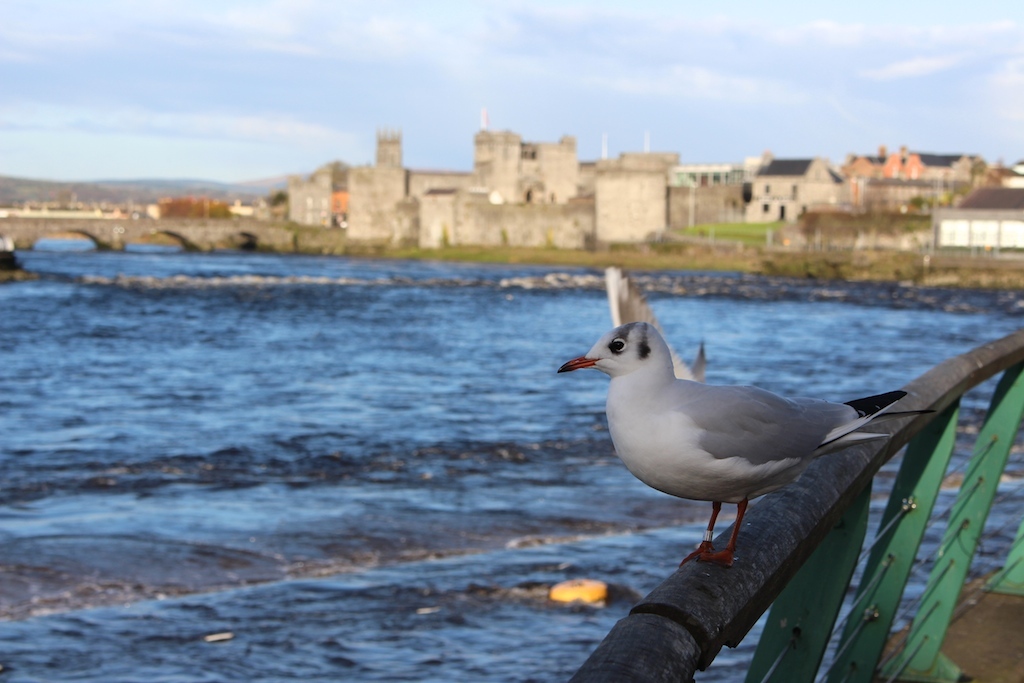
(143, 191)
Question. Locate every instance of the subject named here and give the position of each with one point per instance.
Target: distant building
(891, 180)
(240, 210)
(518, 193)
(784, 189)
(631, 195)
(1014, 176)
(315, 200)
(376, 194)
(988, 218)
(525, 172)
(709, 193)
(866, 166)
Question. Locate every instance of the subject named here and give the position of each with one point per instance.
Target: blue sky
(237, 91)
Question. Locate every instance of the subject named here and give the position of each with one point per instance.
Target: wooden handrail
(683, 623)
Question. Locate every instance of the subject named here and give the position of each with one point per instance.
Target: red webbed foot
(723, 558)
(704, 548)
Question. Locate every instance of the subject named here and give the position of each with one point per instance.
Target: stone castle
(536, 194)
(518, 194)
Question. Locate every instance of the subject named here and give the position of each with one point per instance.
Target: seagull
(724, 444)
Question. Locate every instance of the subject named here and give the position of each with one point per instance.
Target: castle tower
(497, 162)
(389, 148)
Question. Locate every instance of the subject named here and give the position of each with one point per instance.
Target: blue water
(369, 469)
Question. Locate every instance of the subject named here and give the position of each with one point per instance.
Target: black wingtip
(873, 404)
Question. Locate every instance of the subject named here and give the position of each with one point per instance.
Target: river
(369, 470)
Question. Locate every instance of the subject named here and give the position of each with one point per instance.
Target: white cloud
(299, 73)
(270, 128)
(915, 67)
(683, 82)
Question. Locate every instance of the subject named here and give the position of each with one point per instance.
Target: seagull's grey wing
(628, 305)
(762, 427)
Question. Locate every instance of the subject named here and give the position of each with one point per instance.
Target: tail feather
(869, 409)
(848, 439)
(875, 404)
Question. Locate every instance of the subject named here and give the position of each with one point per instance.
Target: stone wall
(525, 172)
(406, 225)
(564, 226)
(496, 163)
(374, 193)
(632, 197)
(437, 219)
(715, 204)
(549, 172)
(422, 182)
(309, 201)
(585, 187)
(469, 218)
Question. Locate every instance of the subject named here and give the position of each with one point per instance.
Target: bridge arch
(248, 241)
(64, 233)
(182, 241)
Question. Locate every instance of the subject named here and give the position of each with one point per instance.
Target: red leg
(725, 557)
(705, 545)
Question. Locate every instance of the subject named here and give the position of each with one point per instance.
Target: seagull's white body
(716, 443)
(703, 442)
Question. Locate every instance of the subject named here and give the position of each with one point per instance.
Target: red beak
(577, 363)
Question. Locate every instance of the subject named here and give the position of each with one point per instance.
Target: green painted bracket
(921, 658)
(1011, 579)
(801, 618)
(900, 532)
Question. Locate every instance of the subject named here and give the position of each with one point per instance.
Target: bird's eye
(617, 346)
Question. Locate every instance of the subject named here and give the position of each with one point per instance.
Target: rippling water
(368, 469)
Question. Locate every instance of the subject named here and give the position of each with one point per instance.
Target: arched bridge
(192, 235)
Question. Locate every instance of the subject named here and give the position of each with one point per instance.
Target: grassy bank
(947, 269)
(748, 234)
(641, 257)
(877, 265)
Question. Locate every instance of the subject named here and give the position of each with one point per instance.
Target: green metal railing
(804, 542)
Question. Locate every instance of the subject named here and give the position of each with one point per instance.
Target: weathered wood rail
(682, 624)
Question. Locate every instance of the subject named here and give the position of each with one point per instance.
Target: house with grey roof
(1015, 175)
(989, 218)
(784, 189)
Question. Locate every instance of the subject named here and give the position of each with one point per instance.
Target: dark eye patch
(616, 346)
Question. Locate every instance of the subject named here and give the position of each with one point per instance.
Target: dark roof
(788, 167)
(994, 198)
(441, 190)
(939, 159)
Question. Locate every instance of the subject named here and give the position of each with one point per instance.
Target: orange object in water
(579, 590)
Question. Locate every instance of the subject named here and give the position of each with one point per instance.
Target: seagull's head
(626, 349)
